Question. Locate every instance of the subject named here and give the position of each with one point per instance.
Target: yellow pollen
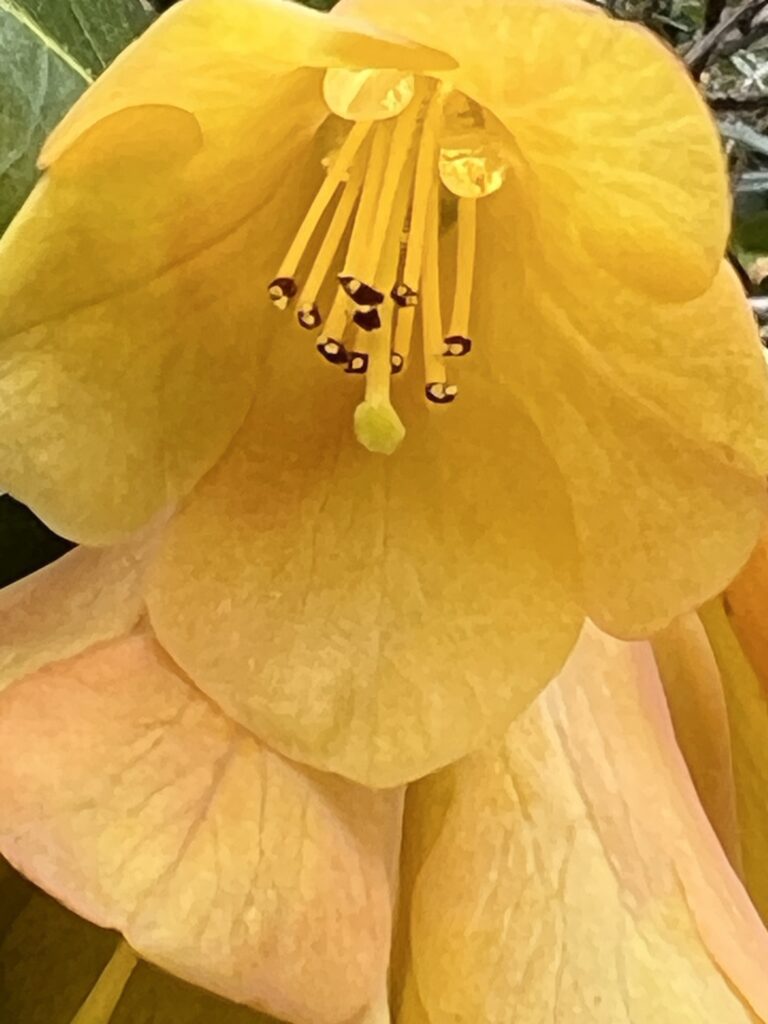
(410, 141)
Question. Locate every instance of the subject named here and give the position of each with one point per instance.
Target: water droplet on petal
(368, 95)
(472, 161)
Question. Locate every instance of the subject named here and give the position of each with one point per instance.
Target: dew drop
(472, 160)
(369, 95)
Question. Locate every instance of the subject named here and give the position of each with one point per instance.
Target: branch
(747, 136)
(698, 54)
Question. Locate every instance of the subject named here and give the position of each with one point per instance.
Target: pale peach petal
(126, 795)
(85, 597)
(374, 616)
(747, 701)
(694, 691)
(746, 601)
(572, 873)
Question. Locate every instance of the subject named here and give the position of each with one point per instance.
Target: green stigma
(378, 427)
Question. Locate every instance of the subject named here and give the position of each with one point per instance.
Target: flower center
(380, 208)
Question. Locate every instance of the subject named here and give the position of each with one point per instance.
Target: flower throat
(381, 194)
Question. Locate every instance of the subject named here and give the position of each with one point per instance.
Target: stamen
(405, 292)
(283, 287)
(308, 313)
(333, 351)
(436, 388)
(365, 263)
(366, 214)
(357, 362)
(331, 344)
(281, 291)
(368, 319)
(401, 343)
(458, 342)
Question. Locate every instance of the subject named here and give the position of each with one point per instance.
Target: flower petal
(747, 602)
(127, 796)
(694, 690)
(372, 615)
(655, 414)
(572, 872)
(84, 598)
(195, 54)
(745, 694)
(130, 323)
(616, 149)
(130, 284)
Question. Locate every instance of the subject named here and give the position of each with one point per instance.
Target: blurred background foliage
(50, 50)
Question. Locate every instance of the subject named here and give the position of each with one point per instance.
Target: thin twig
(745, 103)
(740, 132)
(698, 53)
(751, 181)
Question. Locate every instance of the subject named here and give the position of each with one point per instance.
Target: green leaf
(50, 51)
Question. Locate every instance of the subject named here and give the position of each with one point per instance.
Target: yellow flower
(564, 192)
(567, 868)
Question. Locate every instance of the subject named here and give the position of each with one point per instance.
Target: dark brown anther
(281, 290)
(396, 362)
(367, 319)
(441, 394)
(309, 316)
(333, 351)
(357, 362)
(404, 296)
(457, 345)
(361, 294)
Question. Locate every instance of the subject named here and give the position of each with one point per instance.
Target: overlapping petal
(693, 687)
(655, 414)
(372, 616)
(745, 694)
(129, 797)
(616, 150)
(572, 874)
(747, 604)
(86, 597)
